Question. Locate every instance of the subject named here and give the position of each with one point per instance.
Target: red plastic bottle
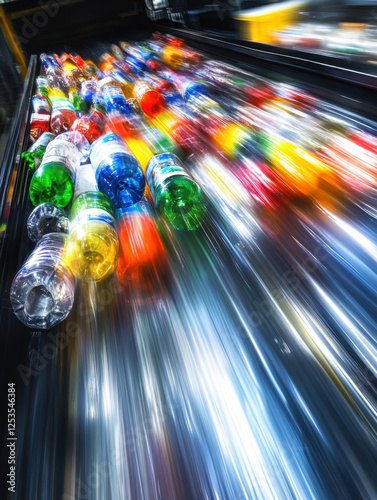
(117, 123)
(151, 102)
(142, 258)
(92, 124)
(38, 125)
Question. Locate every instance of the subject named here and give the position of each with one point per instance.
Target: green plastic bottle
(77, 101)
(175, 194)
(33, 156)
(42, 86)
(53, 181)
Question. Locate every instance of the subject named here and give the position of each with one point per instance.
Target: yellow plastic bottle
(140, 150)
(92, 245)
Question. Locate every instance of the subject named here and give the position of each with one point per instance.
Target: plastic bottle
(40, 105)
(91, 125)
(146, 59)
(93, 245)
(42, 292)
(46, 218)
(62, 116)
(42, 86)
(166, 88)
(71, 71)
(39, 124)
(175, 194)
(151, 102)
(118, 124)
(54, 73)
(65, 145)
(142, 256)
(77, 101)
(33, 156)
(113, 96)
(90, 91)
(81, 143)
(118, 173)
(54, 180)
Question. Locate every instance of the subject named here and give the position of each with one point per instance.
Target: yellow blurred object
(12, 41)
(228, 137)
(352, 26)
(92, 251)
(172, 56)
(125, 85)
(140, 150)
(261, 23)
(165, 122)
(55, 93)
(304, 173)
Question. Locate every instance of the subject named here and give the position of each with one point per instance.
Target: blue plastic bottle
(113, 97)
(118, 173)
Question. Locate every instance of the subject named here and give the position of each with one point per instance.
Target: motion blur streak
(226, 382)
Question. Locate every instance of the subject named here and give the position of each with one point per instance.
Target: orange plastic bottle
(142, 261)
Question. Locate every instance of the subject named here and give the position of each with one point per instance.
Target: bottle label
(141, 89)
(40, 105)
(105, 146)
(112, 91)
(38, 125)
(163, 167)
(58, 159)
(92, 215)
(43, 141)
(106, 81)
(85, 180)
(60, 104)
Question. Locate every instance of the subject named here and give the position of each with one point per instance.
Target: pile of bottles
(157, 128)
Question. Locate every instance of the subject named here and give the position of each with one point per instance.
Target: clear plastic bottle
(64, 145)
(81, 143)
(46, 218)
(117, 171)
(42, 86)
(176, 195)
(92, 245)
(42, 292)
(90, 91)
(54, 73)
